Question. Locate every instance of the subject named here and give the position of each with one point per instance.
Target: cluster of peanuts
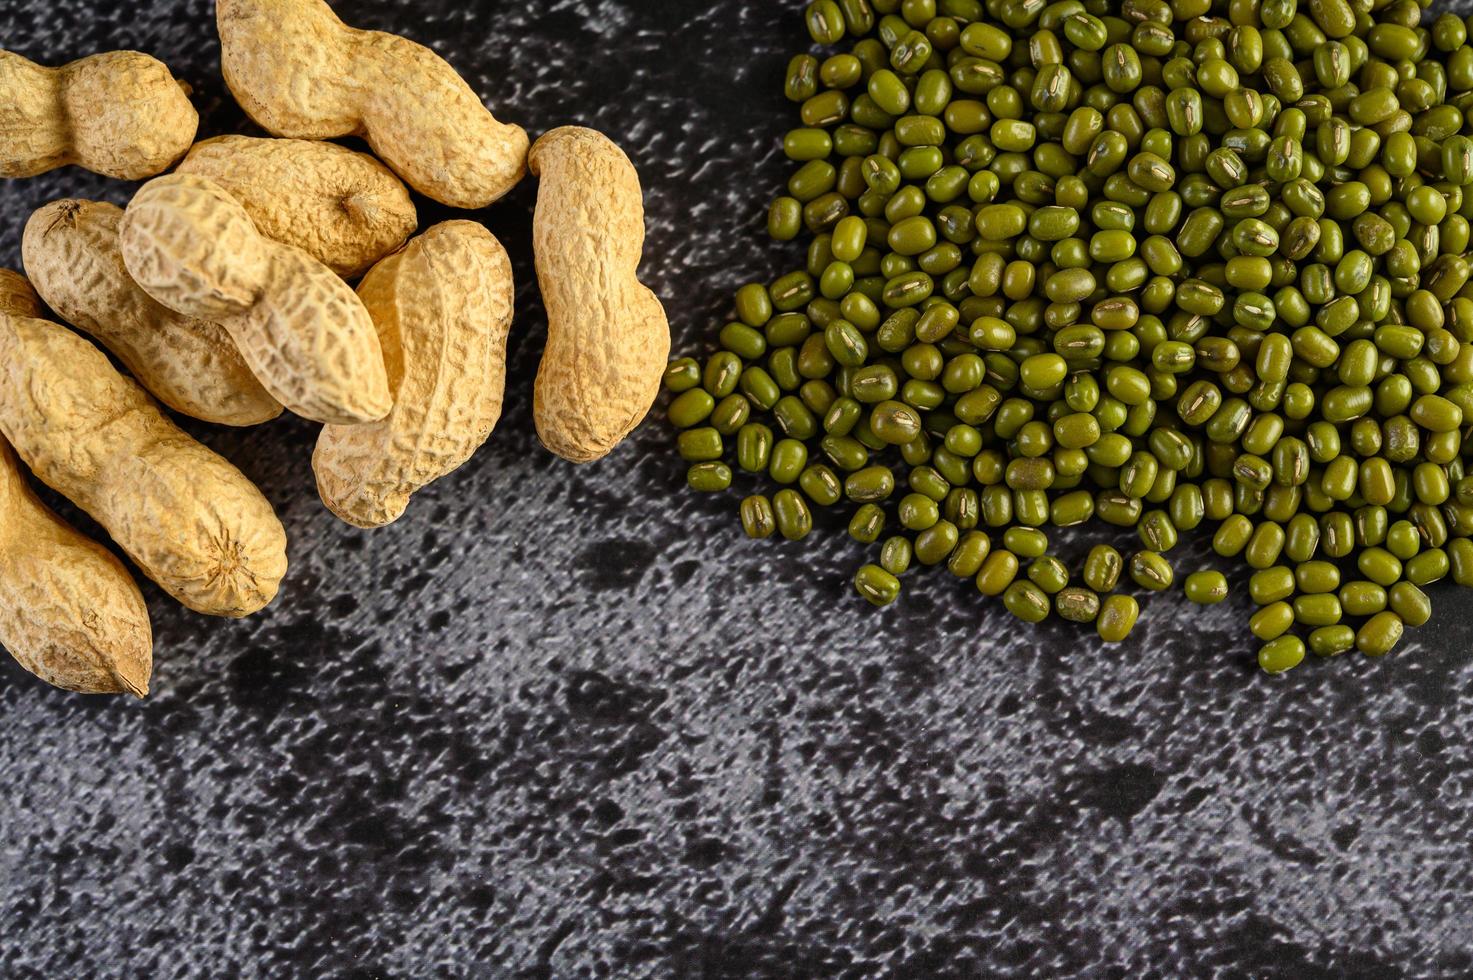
(223, 291)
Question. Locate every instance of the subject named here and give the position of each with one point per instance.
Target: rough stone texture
(568, 722)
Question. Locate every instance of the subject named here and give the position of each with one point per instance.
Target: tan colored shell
(301, 329)
(72, 253)
(69, 611)
(443, 307)
(607, 336)
(344, 209)
(190, 520)
(16, 295)
(298, 71)
(119, 113)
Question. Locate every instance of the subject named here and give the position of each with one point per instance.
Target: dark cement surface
(568, 722)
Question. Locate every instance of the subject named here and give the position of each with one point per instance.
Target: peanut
(443, 307)
(120, 114)
(69, 611)
(72, 253)
(304, 333)
(607, 335)
(344, 209)
(191, 521)
(16, 295)
(298, 71)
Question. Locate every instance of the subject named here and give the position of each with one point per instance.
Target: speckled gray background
(568, 722)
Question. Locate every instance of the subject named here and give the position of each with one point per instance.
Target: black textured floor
(568, 722)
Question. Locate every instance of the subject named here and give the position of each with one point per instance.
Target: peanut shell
(119, 113)
(190, 520)
(608, 339)
(344, 209)
(443, 307)
(73, 255)
(300, 72)
(303, 332)
(69, 611)
(16, 295)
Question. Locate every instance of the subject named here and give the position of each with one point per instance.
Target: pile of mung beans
(1165, 264)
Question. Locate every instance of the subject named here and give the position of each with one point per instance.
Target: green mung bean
(1156, 264)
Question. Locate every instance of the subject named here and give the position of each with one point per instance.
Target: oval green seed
(877, 586)
(1281, 654)
(758, 519)
(1027, 602)
(1151, 571)
(1117, 618)
(709, 477)
(1207, 588)
(1380, 634)
(794, 519)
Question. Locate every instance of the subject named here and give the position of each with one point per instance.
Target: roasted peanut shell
(190, 520)
(607, 335)
(303, 332)
(119, 113)
(443, 307)
(69, 611)
(300, 72)
(344, 209)
(74, 257)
